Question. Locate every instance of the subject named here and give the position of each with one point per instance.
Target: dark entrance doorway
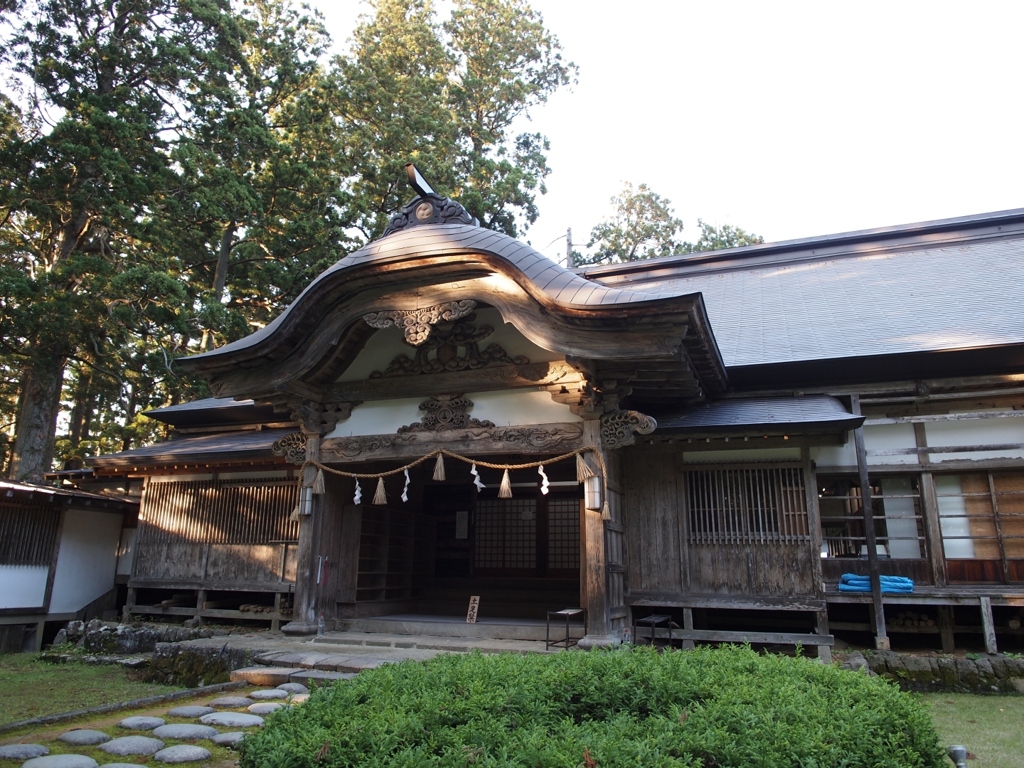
(520, 555)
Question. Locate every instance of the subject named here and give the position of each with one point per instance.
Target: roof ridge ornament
(427, 207)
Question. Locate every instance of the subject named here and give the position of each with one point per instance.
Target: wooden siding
(227, 531)
(759, 547)
(28, 533)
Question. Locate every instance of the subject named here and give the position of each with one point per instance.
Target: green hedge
(709, 707)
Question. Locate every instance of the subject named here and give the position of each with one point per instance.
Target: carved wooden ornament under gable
(451, 349)
(620, 428)
(292, 447)
(444, 413)
(416, 323)
(319, 418)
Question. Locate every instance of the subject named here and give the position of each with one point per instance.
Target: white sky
(789, 119)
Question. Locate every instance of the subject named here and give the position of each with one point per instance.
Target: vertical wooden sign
(474, 606)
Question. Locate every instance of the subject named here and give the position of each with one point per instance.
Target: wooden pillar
(304, 618)
(988, 625)
(867, 505)
(593, 571)
(946, 624)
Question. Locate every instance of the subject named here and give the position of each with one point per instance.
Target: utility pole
(568, 248)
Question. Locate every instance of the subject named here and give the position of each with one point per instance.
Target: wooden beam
(499, 377)
(808, 603)
(534, 439)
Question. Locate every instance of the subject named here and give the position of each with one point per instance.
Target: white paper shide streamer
(476, 478)
(544, 482)
(358, 498)
(405, 490)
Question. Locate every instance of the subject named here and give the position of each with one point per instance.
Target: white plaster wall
(976, 432)
(888, 437)
(835, 455)
(386, 344)
(126, 552)
(87, 560)
(509, 408)
(748, 454)
(953, 519)
(520, 406)
(23, 586)
(380, 417)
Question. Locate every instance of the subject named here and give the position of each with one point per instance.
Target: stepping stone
(132, 745)
(231, 719)
(293, 688)
(83, 738)
(228, 739)
(61, 761)
(321, 676)
(189, 711)
(265, 707)
(141, 723)
(122, 765)
(182, 753)
(22, 751)
(230, 702)
(185, 732)
(268, 693)
(264, 675)
(298, 698)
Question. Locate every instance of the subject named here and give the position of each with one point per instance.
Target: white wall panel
(23, 586)
(87, 560)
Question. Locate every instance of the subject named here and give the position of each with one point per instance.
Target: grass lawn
(32, 688)
(991, 727)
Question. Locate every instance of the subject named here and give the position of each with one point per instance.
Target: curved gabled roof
(434, 263)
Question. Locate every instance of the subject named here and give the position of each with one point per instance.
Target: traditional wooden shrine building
(735, 409)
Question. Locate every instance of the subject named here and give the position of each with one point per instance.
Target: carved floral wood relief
(449, 350)
(443, 413)
(416, 323)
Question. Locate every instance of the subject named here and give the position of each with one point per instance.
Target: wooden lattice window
(506, 534)
(220, 511)
(746, 505)
(564, 534)
(28, 533)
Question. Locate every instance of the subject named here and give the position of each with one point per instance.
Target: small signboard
(474, 606)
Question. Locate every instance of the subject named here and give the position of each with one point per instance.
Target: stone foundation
(985, 674)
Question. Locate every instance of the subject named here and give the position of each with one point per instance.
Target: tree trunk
(37, 419)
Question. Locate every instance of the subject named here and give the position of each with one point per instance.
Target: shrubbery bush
(709, 707)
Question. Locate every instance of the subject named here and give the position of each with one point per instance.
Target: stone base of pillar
(299, 628)
(599, 641)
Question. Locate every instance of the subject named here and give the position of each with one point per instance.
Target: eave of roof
(935, 233)
(14, 490)
(250, 445)
(214, 412)
(765, 415)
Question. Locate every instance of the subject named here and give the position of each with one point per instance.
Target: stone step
(454, 627)
(271, 676)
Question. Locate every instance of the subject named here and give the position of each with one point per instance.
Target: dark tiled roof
(20, 491)
(808, 413)
(240, 446)
(552, 280)
(929, 288)
(215, 411)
